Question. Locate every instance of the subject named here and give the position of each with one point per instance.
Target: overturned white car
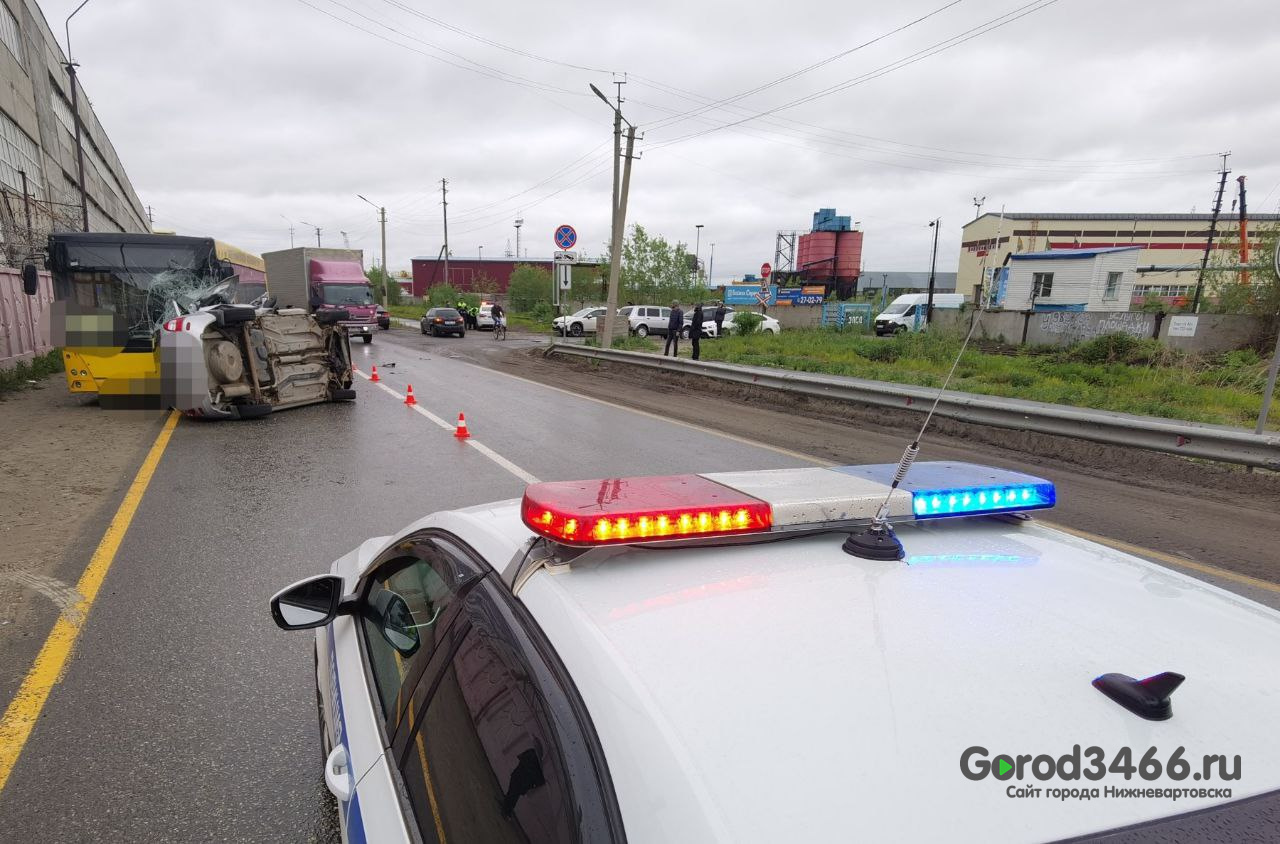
(228, 361)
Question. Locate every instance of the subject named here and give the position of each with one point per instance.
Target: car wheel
(684, 333)
(770, 331)
(576, 329)
(368, 338)
(251, 411)
(642, 331)
(424, 331)
(461, 334)
(901, 329)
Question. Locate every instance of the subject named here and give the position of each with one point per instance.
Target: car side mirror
(396, 621)
(30, 279)
(308, 603)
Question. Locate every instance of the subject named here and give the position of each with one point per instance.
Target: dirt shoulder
(65, 466)
(1203, 512)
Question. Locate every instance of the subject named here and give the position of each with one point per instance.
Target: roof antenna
(877, 541)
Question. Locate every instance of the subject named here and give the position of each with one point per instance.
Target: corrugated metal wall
(24, 320)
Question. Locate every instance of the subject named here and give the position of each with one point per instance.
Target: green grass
(1110, 373)
(37, 369)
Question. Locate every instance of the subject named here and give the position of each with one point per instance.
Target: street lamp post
(382, 219)
(936, 225)
(697, 250)
(519, 223)
(314, 226)
(621, 185)
(711, 264)
(75, 114)
(481, 251)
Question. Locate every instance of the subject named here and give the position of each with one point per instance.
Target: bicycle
(500, 330)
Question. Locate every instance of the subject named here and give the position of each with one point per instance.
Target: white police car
(737, 657)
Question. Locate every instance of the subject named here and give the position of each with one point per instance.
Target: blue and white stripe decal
(350, 810)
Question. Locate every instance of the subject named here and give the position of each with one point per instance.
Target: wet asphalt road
(184, 714)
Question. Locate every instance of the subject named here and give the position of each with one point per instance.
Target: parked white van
(907, 312)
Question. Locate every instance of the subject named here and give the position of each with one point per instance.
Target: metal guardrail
(1190, 439)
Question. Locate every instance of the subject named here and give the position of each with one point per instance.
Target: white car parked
(768, 326)
(575, 325)
(647, 319)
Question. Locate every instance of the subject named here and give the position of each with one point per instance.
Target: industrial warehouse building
(1170, 246)
(37, 139)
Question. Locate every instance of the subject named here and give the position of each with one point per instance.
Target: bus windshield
(133, 281)
(347, 294)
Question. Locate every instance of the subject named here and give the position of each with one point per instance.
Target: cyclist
(499, 319)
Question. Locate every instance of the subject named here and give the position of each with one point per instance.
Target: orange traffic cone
(374, 376)
(408, 397)
(461, 431)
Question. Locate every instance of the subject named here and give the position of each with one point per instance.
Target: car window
(598, 312)
(500, 754)
(405, 610)
(666, 313)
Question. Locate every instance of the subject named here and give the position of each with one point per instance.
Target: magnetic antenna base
(874, 543)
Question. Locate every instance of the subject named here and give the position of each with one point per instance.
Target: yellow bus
(251, 269)
(112, 291)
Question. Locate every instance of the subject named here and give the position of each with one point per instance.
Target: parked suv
(647, 319)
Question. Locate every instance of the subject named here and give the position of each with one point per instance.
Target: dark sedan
(439, 321)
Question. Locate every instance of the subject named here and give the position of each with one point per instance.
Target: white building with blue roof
(1094, 279)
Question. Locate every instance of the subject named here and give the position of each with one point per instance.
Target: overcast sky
(232, 116)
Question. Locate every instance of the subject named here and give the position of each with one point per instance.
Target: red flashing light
(628, 510)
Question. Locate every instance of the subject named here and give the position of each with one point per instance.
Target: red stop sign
(765, 269)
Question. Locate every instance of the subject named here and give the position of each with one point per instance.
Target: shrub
(745, 322)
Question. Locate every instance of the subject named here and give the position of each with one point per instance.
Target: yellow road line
(24, 710)
(1171, 559)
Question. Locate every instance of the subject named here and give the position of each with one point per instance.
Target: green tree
(655, 271)
(378, 281)
(528, 286)
(1261, 296)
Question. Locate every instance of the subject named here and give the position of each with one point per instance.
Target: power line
(802, 71)
(920, 55)
(482, 69)
(490, 42)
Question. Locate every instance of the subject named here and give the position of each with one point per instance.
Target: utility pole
(480, 249)
(75, 113)
(1275, 363)
(697, 251)
(936, 225)
(978, 203)
(1213, 230)
(314, 226)
(382, 220)
(151, 217)
(711, 264)
(444, 203)
(621, 187)
(346, 242)
(290, 222)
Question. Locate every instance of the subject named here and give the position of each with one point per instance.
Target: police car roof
(789, 691)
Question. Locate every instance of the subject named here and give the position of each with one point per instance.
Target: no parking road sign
(566, 237)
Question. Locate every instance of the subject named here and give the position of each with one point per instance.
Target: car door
(377, 656)
(660, 324)
(589, 322)
(499, 748)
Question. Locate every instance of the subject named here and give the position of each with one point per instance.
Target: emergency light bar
(648, 509)
(621, 510)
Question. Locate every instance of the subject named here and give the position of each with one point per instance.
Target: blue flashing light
(940, 489)
(972, 501)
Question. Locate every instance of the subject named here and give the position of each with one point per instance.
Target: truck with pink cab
(325, 280)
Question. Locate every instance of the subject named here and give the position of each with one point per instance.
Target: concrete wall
(800, 316)
(24, 320)
(1214, 332)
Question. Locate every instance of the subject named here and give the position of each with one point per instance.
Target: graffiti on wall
(1086, 326)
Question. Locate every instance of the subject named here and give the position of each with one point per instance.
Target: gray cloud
(229, 115)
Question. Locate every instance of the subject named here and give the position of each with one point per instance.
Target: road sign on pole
(765, 269)
(565, 236)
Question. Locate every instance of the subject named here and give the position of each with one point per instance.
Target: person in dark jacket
(721, 310)
(695, 329)
(675, 323)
